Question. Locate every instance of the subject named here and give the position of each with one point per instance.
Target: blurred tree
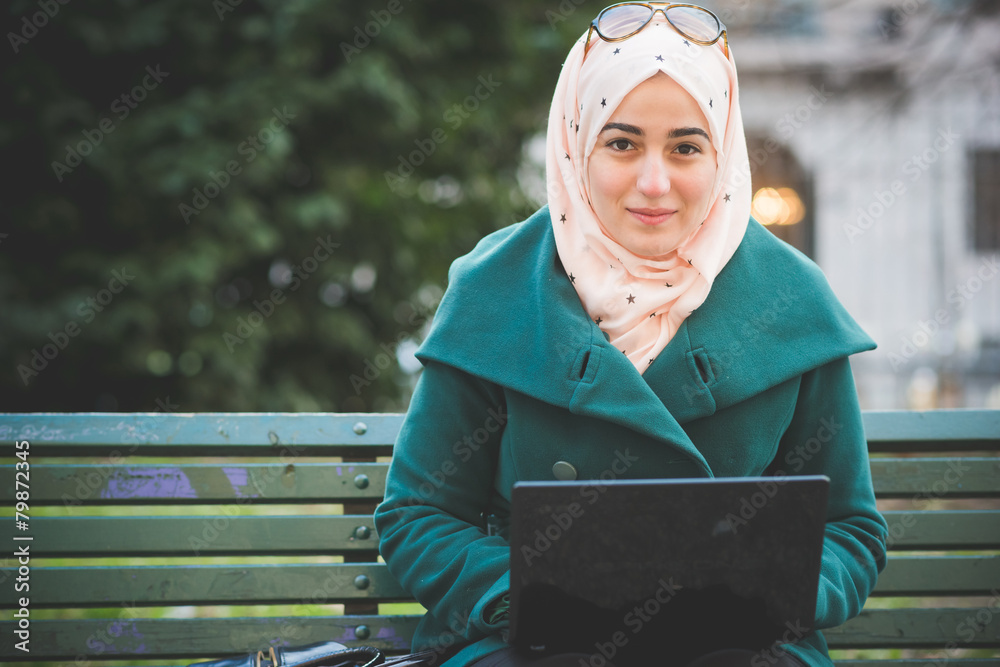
(249, 204)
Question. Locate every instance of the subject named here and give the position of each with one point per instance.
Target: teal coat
(518, 377)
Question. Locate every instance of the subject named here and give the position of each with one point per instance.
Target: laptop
(635, 570)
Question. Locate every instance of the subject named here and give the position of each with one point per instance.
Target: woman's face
(652, 169)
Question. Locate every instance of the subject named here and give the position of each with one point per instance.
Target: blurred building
(874, 135)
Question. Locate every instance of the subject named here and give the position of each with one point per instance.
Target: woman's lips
(651, 216)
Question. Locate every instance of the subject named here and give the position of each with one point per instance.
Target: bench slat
(939, 575)
(206, 585)
(202, 434)
(329, 535)
(336, 583)
(300, 483)
(197, 638)
(200, 535)
(103, 484)
(932, 430)
(214, 433)
(936, 477)
(916, 628)
(944, 530)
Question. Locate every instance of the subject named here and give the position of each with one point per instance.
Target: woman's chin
(652, 250)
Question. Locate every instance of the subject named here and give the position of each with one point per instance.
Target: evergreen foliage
(246, 205)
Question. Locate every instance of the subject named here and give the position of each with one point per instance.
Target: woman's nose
(654, 177)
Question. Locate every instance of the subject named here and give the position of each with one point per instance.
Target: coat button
(564, 471)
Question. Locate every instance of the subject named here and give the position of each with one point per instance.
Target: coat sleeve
(826, 437)
(440, 482)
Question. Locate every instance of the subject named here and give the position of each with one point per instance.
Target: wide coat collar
(512, 317)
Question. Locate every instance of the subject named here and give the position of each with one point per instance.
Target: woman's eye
(620, 144)
(688, 149)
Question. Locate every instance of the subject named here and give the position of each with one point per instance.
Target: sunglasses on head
(621, 21)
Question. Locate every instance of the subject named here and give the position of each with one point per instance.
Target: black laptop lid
(633, 564)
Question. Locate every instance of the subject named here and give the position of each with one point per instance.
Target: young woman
(642, 308)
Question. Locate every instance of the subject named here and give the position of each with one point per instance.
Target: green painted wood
(943, 530)
(286, 435)
(204, 434)
(939, 575)
(930, 478)
(128, 484)
(337, 583)
(240, 534)
(919, 628)
(311, 584)
(199, 535)
(103, 484)
(932, 430)
(193, 639)
(135, 638)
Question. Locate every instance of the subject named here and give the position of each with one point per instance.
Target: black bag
(321, 654)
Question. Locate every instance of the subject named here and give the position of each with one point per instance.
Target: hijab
(640, 302)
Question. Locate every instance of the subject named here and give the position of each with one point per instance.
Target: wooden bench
(154, 537)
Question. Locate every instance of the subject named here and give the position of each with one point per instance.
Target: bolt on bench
(179, 494)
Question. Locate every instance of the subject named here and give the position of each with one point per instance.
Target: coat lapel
(511, 316)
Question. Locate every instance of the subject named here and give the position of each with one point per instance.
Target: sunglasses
(621, 21)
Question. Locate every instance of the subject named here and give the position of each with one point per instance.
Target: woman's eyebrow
(685, 131)
(624, 127)
(674, 134)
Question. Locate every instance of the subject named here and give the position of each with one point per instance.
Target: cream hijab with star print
(640, 302)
